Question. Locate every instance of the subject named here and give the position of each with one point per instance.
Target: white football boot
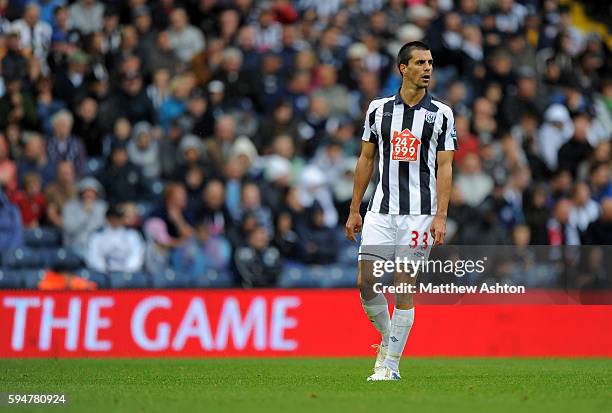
(385, 373)
(381, 354)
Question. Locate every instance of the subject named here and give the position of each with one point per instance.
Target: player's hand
(353, 225)
(438, 229)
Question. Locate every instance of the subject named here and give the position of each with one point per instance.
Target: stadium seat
(214, 279)
(10, 279)
(42, 238)
(31, 277)
(297, 275)
(170, 279)
(22, 258)
(128, 280)
(348, 254)
(99, 278)
(337, 276)
(61, 258)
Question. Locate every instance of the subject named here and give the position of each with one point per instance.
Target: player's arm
(447, 143)
(363, 174)
(444, 182)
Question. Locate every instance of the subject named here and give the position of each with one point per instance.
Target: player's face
(418, 70)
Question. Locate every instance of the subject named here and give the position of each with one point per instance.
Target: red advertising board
(194, 323)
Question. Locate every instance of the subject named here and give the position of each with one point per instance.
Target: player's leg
(374, 304)
(403, 317)
(377, 240)
(413, 244)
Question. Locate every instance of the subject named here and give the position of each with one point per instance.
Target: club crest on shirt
(430, 117)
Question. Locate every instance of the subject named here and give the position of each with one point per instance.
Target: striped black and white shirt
(408, 139)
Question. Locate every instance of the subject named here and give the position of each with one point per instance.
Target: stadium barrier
(196, 323)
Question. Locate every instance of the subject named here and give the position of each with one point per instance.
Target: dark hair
(405, 53)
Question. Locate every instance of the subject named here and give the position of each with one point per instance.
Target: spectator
(70, 85)
(286, 238)
(201, 254)
(335, 95)
(88, 127)
(319, 240)
(556, 130)
(8, 170)
(473, 183)
(83, 216)
(174, 214)
(131, 101)
(122, 180)
(250, 204)
(158, 246)
(11, 230)
(600, 180)
(14, 62)
(122, 130)
(537, 214)
(213, 211)
(584, 209)
(86, 16)
(59, 192)
(600, 232)
(162, 56)
(143, 151)
(115, 248)
(185, 39)
(561, 230)
(47, 105)
(31, 201)
(35, 159)
(17, 106)
(219, 145)
(34, 34)
(258, 264)
(578, 148)
(63, 145)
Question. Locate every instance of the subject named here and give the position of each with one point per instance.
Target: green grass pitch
(314, 385)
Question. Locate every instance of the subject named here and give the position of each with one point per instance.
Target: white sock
(377, 311)
(400, 328)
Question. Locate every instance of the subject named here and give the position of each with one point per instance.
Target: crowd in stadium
(223, 134)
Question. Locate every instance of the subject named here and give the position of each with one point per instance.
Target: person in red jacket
(31, 201)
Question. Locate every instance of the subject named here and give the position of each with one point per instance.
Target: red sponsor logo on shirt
(404, 146)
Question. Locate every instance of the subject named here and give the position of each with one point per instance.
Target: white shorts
(387, 237)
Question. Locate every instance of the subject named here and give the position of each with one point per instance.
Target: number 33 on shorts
(417, 239)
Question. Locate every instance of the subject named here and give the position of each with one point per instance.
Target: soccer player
(414, 136)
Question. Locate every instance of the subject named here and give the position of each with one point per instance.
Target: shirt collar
(424, 102)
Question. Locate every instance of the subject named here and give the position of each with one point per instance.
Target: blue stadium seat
(22, 258)
(10, 279)
(31, 277)
(348, 254)
(297, 275)
(61, 257)
(214, 279)
(170, 279)
(337, 276)
(128, 280)
(42, 238)
(99, 278)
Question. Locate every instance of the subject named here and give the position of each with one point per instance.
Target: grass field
(315, 385)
